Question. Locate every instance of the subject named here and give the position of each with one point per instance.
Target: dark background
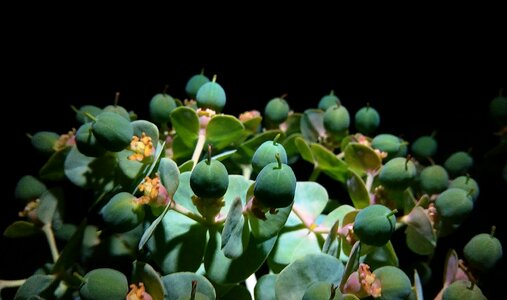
(417, 85)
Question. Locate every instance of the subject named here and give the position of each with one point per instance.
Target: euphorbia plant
(199, 204)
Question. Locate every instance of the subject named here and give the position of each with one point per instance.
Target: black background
(417, 83)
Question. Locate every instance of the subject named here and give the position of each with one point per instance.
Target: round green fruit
(117, 109)
(29, 188)
(458, 163)
(112, 131)
(434, 179)
(391, 144)
(498, 110)
(367, 120)
(461, 290)
(398, 173)
(424, 147)
(277, 110)
(336, 119)
(329, 100)
(394, 282)
(468, 184)
(86, 142)
(194, 84)
(81, 115)
(209, 179)
(374, 225)
(265, 155)
(454, 205)
(483, 252)
(122, 213)
(161, 106)
(275, 186)
(104, 283)
(211, 95)
(44, 141)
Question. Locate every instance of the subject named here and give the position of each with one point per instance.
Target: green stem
(116, 98)
(11, 283)
(48, 231)
(315, 174)
(247, 171)
(369, 183)
(198, 149)
(307, 221)
(214, 78)
(493, 229)
(184, 211)
(90, 116)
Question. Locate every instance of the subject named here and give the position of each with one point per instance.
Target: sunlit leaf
(186, 123)
(362, 158)
(357, 191)
(224, 130)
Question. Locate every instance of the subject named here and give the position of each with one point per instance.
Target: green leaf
(71, 251)
(186, 166)
(332, 243)
(418, 288)
(20, 229)
(247, 149)
(143, 272)
(36, 285)
(311, 198)
(238, 187)
(352, 263)
(238, 292)
(130, 168)
(235, 235)
(382, 256)
(421, 238)
(266, 229)
(293, 281)
(290, 147)
(179, 286)
(186, 123)
(308, 244)
(293, 242)
(265, 287)
(223, 270)
(451, 267)
(304, 149)
(149, 231)
(48, 204)
(169, 175)
(180, 152)
(312, 124)
(293, 123)
(357, 191)
(362, 158)
(148, 128)
(224, 130)
(327, 161)
(252, 125)
(53, 169)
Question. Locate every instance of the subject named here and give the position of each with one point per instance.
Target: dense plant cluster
(192, 204)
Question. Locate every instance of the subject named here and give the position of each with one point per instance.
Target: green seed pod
(468, 184)
(86, 142)
(424, 147)
(336, 119)
(275, 186)
(398, 173)
(498, 110)
(29, 188)
(161, 106)
(276, 110)
(87, 109)
(458, 163)
(112, 131)
(194, 84)
(209, 179)
(122, 213)
(120, 110)
(322, 290)
(104, 284)
(461, 290)
(211, 95)
(374, 225)
(454, 205)
(265, 154)
(394, 282)
(391, 144)
(43, 141)
(483, 252)
(329, 100)
(367, 120)
(434, 179)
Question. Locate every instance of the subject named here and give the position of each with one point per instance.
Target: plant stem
(48, 231)
(369, 182)
(250, 283)
(315, 174)
(247, 171)
(184, 211)
(303, 216)
(198, 148)
(11, 283)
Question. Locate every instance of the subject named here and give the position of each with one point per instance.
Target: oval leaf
(186, 123)
(143, 272)
(304, 149)
(235, 235)
(362, 158)
(312, 124)
(148, 128)
(265, 287)
(357, 191)
(169, 175)
(36, 285)
(224, 130)
(20, 229)
(179, 286)
(421, 238)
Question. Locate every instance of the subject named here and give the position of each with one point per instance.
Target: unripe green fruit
(122, 213)
(458, 163)
(161, 106)
(394, 282)
(43, 141)
(336, 119)
(461, 290)
(374, 225)
(29, 188)
(391, 144)
(275, 186)
(103, 284)
(454, 205)
(467, 184)
(322, 290)
(398, 173)
(194, 84)
(120, 110)
(112, 131)
(277, 110)
(87, 109)
(211, 95)
(329, 100)
(424, 147)
(367, 120)
(498, 110)
(86, 142)
(483, 252)
(434, 179)
(265, 155)
(209, 179)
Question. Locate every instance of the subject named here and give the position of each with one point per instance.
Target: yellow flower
(65, 140)
(142, 147)
(154, 192)
(138, 293)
